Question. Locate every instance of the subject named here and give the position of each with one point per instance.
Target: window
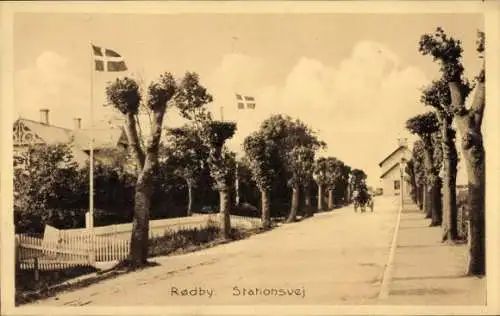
(396, 184)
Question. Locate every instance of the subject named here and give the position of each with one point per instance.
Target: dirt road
(335, 257)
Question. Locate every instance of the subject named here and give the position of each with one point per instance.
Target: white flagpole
(90, 224)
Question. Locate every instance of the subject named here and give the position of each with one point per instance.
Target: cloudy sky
(354, 78)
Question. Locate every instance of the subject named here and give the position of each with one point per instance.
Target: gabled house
(392, 168)
(28, 132)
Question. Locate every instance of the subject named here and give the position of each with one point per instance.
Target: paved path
(427, 271)
(335, 257)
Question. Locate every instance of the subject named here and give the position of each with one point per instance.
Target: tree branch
(133, 139)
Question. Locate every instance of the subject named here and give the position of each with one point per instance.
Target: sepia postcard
(250, 158)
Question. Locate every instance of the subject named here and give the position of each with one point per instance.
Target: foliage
(294, 146)
(448, 52)
(358, 179)
(260, 159)
(300, 163)
(184, 150)
(124, 95)
(191, 96)
(43, 180)
(444, 49)
(423, 125)
(418, 162)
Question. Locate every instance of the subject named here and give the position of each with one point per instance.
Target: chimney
(77, 123)
(403, 142)
(44, 116)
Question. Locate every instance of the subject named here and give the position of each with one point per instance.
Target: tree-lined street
(336, 257)
(335, 223)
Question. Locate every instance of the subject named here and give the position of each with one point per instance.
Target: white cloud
(52, 83)
(359, 106)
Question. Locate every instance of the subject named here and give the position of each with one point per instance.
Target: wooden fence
(41, 254)
(60, 249)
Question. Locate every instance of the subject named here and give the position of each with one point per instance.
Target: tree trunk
(425, 201)
(449, 181)
(477, 247)
(292, 217)
(308, 212)
(419, 197)
(330, 199)
(348, 194)
(133, 141)
(320, 197)
(265, 197)
(433, 210)
(189, 211)
(143, 193)
(224, 212)
(437, 214)
(469, 125)
(140, 225)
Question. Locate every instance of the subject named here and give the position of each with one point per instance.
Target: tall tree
(447, 51)
(124, 95)
(438, 96)
(425, 126)
(185, 150)
(300, 162)
(191, 99)
(335, 169)
(260, 157)
(289, 135)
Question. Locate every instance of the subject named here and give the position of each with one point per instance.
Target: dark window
(396, 184)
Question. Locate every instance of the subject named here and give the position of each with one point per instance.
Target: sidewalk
(428, 272)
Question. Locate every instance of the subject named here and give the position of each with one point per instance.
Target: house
(392, 167)
(28, 132)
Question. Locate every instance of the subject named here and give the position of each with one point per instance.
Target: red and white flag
(107, 60)
(245, 102)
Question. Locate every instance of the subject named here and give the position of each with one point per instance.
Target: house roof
(51, 135)
(392, 154)
(396, 164)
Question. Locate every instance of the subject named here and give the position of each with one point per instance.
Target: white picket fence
(60, 249)
(68, 251)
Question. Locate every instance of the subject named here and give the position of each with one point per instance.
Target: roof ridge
(40, 123)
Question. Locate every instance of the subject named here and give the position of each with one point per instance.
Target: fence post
(37, 271)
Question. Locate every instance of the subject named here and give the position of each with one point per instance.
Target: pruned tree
(191, 99)
(438, 96)
(447, 51)
(260, 151)
(300, 162)
(425, 126)
(124, 95)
